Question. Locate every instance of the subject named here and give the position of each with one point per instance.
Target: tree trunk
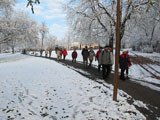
(152, 33)
(111, 41)
(13, 50)
(80, 46)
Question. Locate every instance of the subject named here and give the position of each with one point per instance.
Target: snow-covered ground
(137, 73)
(144, 77)
(6, 57)
(33, 88)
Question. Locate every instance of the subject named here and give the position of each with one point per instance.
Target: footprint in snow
(54, 90)
(34, 97)
(70, 106)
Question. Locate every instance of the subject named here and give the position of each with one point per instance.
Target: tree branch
(31, 2)
(109, 15)
(94, 11)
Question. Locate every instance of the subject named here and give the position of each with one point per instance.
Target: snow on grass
(7, 57)
(143, 54)
(41, 89)
(135, 71)
(155, 69)
(140, 104)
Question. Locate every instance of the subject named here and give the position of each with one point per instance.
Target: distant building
(81, 46)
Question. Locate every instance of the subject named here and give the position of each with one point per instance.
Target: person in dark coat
(41, 51)
(124, 62)
(97, 56)
(85, 55)
(74, 56)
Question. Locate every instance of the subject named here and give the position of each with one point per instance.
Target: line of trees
(18, 30)
(94, 21)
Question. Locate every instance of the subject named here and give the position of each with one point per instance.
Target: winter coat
(106, 58)
(85, 54)
(46, 51)
(50, 51)
(41, 51)
(61, 52)
(58, 53)
(74, 54)
(97, 56)
(124, 61)
(65, 52)
(91, 55)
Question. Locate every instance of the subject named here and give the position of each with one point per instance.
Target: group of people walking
(105, 60)
(88, 55)
(61, 53)
(103, 56)
(46, 52)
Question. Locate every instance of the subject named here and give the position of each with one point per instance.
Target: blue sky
(50, 11)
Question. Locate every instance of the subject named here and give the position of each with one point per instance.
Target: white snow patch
(42, 89)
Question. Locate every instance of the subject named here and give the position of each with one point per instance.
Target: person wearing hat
(125, 63)
(106, 61)
(85, 55)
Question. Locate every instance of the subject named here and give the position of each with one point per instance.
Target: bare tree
(18, 30)
(51, 41)
(97, 17)
(43, 30)
(147, 25)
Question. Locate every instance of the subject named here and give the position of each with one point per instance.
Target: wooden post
(116, 75)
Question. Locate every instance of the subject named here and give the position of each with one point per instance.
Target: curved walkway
(138, 92)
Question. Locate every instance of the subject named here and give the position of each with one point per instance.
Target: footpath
(138, 92)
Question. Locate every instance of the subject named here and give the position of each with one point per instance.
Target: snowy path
(36, 89)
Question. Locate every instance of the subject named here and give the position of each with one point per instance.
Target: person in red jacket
(74, 56)
(125, 63)
(64, 53)
(97, 56)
